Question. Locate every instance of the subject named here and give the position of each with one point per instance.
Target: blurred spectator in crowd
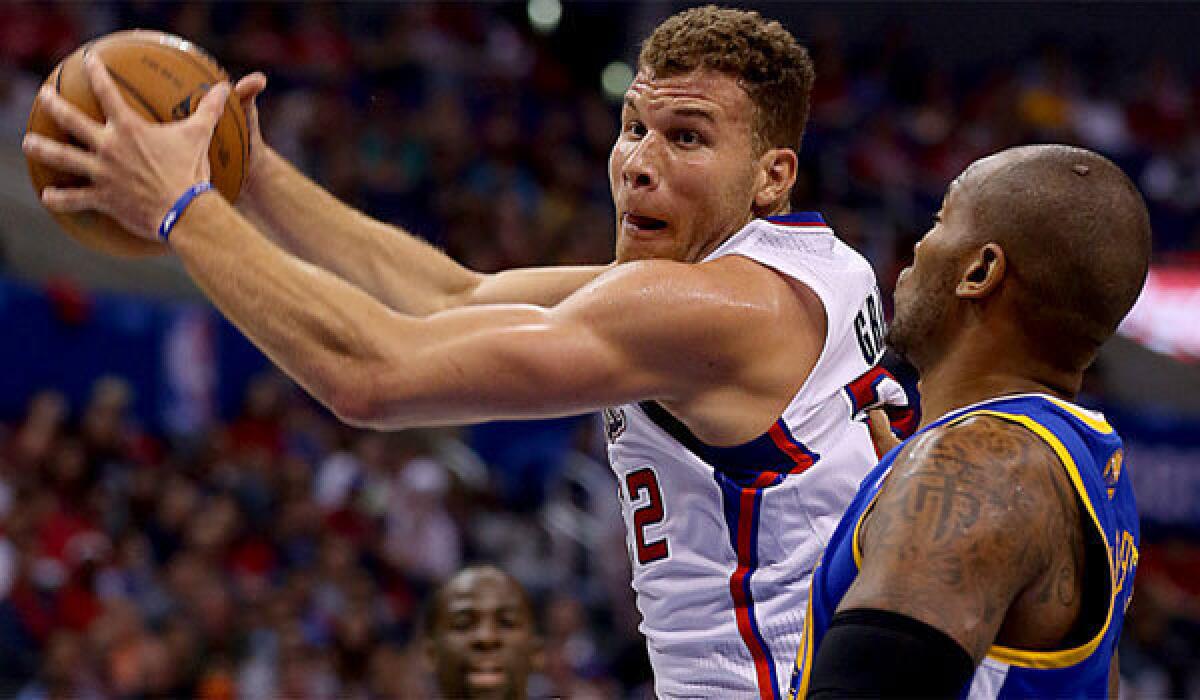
(480, 636)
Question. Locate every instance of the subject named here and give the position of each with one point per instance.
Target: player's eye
(687, 137)
(635, 128)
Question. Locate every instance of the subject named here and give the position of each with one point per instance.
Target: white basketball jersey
(724, 540)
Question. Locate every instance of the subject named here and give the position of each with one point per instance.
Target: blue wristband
(177, 209)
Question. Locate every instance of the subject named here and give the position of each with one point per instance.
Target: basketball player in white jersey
(737, 342)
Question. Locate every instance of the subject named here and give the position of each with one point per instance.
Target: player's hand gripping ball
(163, 78)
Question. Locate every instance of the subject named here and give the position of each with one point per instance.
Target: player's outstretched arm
(399, 269)
(971, 518)
(640, 331)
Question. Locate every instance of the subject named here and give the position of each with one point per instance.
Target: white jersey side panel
(724, 540)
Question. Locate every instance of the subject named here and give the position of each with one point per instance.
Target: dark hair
(774, 70)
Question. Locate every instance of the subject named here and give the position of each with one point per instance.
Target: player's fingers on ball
(250, 86)
(60, 156)
(69, 117)
(70, 200)
(106, 90)
(208, 112)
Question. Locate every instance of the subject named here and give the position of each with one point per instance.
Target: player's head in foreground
(1037, 254)
(480, 636)
(709, 132)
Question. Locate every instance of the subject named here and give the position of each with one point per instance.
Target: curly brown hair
(774, 70)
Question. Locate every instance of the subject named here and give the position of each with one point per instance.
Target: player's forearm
(395, 267)
(313, 325)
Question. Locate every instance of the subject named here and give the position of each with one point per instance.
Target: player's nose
(486, 635)
(641, 169)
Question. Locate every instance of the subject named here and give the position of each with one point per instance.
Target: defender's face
(924, 293)
(484, 645)
(682, 170)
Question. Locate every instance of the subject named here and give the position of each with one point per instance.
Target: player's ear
(776, 175)
(984, 272)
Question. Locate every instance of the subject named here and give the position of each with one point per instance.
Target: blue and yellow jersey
(1091, 452)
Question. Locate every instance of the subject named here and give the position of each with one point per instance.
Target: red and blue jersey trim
(743, 474)
(810, 220)
(743, 506)
(864, 392)
(771, 456)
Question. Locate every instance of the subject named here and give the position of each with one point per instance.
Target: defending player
(738, 363)
(994, 552)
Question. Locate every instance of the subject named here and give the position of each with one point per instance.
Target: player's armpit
(971, 516)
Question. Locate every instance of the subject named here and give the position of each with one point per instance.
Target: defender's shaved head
(1076, 236)
(1038, 252)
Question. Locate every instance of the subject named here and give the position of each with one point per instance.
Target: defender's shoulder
(1002, 446)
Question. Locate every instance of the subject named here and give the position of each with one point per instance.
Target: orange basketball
(163, 77)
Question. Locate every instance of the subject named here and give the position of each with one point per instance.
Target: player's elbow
(351, 409)
(368, 398)
(354, 399)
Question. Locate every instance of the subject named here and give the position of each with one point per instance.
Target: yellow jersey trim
(1089, 418)
(855, 547)
(1061, 658)
(804, 656)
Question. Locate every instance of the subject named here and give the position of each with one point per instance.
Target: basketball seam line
(215, 79)
(130, 89)
(123, 83)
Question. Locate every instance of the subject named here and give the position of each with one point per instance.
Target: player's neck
(967, 376)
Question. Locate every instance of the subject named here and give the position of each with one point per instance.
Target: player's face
(484, 645)
(683, 169)
(924, 293)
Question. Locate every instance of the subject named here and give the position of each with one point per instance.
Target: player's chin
(488, 684)
(634, 248)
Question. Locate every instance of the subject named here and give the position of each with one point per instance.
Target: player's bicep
(542, 286)
(505, 362)
(948, 540)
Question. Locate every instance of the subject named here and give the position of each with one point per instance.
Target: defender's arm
(971, 516)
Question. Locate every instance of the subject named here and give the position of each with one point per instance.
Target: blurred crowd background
(178, 519)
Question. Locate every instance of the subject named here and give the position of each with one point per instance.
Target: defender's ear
(776, 175)
(984, 272)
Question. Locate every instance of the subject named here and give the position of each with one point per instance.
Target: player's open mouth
(644, 223)
(486, 678)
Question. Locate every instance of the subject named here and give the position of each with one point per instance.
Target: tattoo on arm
(970, 517)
